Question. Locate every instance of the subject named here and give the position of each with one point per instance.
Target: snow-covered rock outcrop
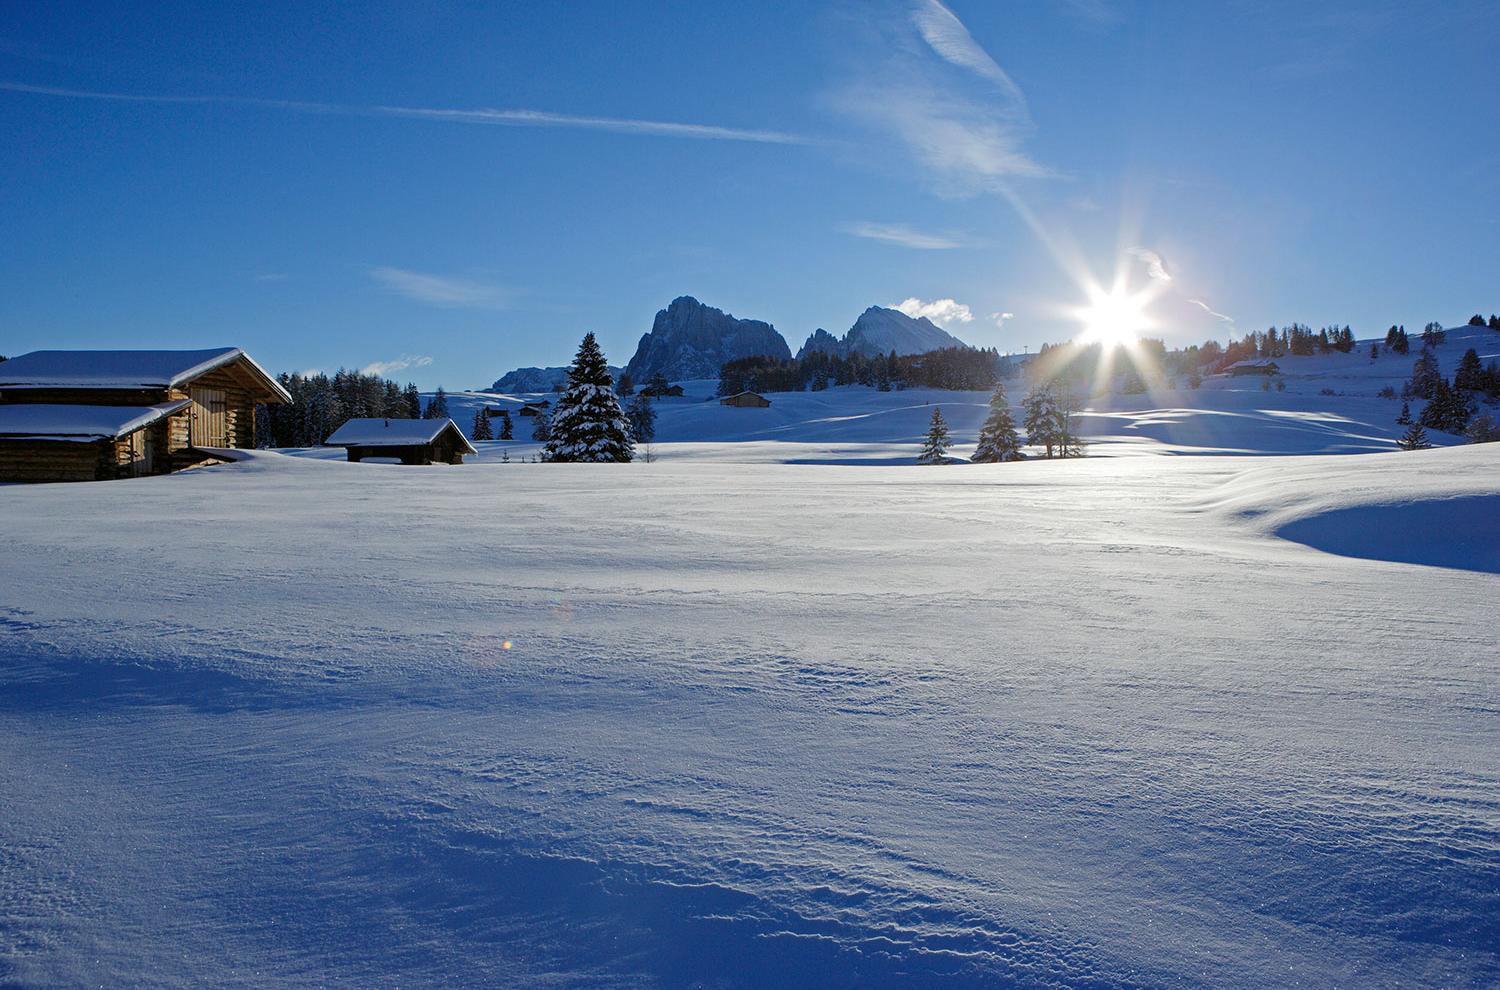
(691, 340)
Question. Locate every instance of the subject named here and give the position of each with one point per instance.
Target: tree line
(955, 368)
(322, 403)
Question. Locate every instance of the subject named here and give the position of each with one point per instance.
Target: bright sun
(1113, 318)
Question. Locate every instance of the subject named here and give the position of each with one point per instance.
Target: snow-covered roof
(53, 421)
(394, 433)
(123, 369)
(1254, 363)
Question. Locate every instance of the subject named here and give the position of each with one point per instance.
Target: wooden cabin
(535, 408)
(1259, 366)
(746, 400)
(99, 415)
(662, 391)
(411, 441)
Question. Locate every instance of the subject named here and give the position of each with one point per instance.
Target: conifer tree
(1405, 418)
(587, 424)
(1469, 375)
(482, 429)
(998, 440)
(1042, 420)
(413, 401)
(541, 427)
(641, 414)
(935, 449)
(507, 431)
(1482, 429)
(1414, 439)
(438, 407)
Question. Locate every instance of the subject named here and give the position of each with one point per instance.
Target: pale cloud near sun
(440, 290)
(943, 312)
(898, 233)
(1156, 268)
(396, 364)
(1001, 319)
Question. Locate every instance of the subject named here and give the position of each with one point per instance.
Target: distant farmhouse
(662, 391)
(411, 441)
(1256, 366)
(535, 408)
(99, 415)
(746, 400)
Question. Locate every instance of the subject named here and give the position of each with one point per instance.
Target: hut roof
(56, 421)
(125, 369)
(395, 433)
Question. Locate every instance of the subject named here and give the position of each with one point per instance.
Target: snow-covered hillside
(1092, 723)
(1330, 404)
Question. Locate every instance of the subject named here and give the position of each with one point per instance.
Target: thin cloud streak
(494, 117)
(1205, 307)
(440, 290)
(896, 233)
(1156, 268)
(946, 35)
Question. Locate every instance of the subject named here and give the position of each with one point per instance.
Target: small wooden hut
(98, 415)
(411, 441)
(746, 400)
(535, 408)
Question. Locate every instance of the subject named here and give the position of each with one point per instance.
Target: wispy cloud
(1002, 318)
(896, 233)
(943, 312)
(440, 290)
(946, 35)
(966, 129)
(458, 115)
(1207, 309)
(1156, 268)
(396, 364)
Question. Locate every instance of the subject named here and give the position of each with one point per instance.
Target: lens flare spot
(1113, 319)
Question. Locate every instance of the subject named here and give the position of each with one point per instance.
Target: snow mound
(1461, 532)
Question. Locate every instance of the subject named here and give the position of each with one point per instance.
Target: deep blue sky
(1315, 162)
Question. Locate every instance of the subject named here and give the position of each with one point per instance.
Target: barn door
(210, 418)
(140, 453)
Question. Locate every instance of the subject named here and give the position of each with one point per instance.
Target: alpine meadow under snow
(780, 708)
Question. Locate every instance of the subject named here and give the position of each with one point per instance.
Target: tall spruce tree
(482, 429)
(1405, 418)
(587, 424)
(935, 448)
(413, 401)
(507, 430)
(998, 440)
(438, 407)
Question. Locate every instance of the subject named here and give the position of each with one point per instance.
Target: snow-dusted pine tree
(507, 430)
(482, 429)
(997, 437)
(1415, 438)
(587, 424)
(935, 449)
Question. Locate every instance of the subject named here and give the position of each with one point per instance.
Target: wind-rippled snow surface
(1080, 724)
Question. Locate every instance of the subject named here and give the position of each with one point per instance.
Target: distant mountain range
(689, 339)
(536, 379)
(879, 331)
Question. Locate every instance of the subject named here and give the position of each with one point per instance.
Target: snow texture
(54, 421)
(1137, 720)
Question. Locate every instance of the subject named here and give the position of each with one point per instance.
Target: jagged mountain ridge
(691, 340)
(880, 330)
(536, 379)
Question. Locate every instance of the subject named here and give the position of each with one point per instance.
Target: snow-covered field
(1111, 722)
